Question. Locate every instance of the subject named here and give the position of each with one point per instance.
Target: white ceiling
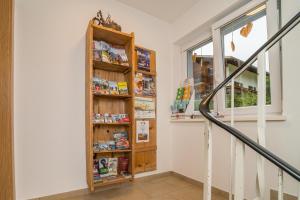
(167, 10)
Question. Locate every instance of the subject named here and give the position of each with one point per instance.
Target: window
(240, 39)
(200, 68)
(234, 39)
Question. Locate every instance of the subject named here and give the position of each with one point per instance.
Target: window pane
(201, 69)
(241, 39)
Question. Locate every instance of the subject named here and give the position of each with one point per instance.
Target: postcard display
(145, 110)
(115, 149)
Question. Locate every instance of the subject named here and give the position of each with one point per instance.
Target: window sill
(241, 118)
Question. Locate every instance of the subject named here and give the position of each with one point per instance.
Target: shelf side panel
(89, 108)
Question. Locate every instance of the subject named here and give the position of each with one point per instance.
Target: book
(103, 167)
(138, 83)
(113, 87)
(122, 86)
(143, 59)
(113, 166)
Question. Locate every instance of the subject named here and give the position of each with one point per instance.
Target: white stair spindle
(261, 123)
(280, 184)
(232, 144)
(207, 161)
(239, 171)
(299, 191)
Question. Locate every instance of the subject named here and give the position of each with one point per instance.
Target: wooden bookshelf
(145, 152)
(108, 103)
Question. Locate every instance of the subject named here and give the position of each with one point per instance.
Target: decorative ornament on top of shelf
(108, 22)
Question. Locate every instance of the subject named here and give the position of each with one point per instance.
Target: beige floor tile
(178, 182)
(161, 188)
(157, 189)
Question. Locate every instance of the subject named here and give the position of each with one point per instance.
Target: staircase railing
(258, 148)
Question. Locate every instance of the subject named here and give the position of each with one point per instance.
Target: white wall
(49, 89)
(199, 15)
(49, 94)
(282, 137)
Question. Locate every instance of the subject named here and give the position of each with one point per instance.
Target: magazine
(144, 107)
(113, 166)
(138, 84)
(121, 139)
(122, 86)
(104, 86)
(96, 170)
(148, 86)
(106, 52)
(142, 131)
(96, 84)
(103, 167)
(120, 55)
(113, 87)
(143, 59)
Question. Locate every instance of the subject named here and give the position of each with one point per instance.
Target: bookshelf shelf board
(117, 96)
(145, 96)
(113, 151)
(112, 124)
(145, 72)
(115, 180)
(111, 35)
(111, 67)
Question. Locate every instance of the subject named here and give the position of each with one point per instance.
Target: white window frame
(203, 38)
(274, 59)
(208, 39)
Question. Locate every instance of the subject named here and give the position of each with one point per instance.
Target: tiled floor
(168, 187)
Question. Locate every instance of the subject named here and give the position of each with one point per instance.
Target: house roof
(233, 61)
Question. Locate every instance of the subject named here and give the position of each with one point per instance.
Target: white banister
(261, 123)
(232, 144)
(207, 161)
(280, 184)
